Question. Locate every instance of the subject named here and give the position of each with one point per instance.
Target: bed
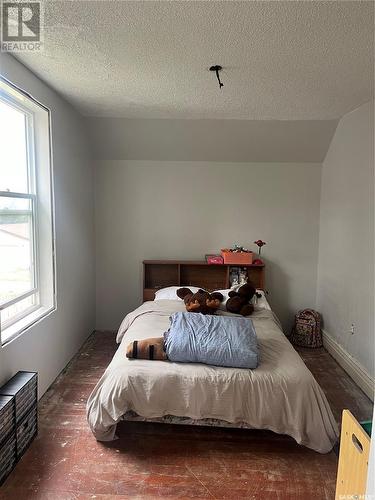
(280, 395)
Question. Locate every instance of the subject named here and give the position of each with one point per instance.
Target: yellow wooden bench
(353, 459)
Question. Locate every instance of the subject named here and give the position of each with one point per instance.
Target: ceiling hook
(216, 69)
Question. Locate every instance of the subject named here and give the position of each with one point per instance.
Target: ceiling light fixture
(217, 68)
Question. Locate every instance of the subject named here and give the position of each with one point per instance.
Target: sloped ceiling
(210, 140)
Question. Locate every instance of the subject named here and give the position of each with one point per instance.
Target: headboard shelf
(162, 273)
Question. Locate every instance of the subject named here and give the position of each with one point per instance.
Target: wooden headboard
(162, 273)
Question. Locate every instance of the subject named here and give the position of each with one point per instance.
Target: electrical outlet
(352, 329)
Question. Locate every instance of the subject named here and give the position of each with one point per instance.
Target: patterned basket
(306, 330)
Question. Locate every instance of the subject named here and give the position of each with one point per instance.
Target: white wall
(182, 210)
(49, 345)
(345, 292)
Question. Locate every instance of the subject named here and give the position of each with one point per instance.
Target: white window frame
(10, 329)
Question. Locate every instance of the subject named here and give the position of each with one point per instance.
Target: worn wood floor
(163, 461)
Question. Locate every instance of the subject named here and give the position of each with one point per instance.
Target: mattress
(280, 395)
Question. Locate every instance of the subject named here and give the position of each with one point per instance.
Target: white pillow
(169, 293)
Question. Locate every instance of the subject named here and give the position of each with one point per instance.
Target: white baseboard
(350, 365)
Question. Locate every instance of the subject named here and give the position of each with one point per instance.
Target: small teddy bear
(201, 301)
(239, 302)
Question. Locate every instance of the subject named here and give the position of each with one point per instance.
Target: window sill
(12, 332)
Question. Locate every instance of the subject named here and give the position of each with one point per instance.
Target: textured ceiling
(282, 60)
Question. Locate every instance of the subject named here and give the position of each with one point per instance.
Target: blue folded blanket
(213, 340)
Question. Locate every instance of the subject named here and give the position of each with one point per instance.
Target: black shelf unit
(18, 419)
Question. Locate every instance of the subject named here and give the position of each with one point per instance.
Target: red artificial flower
(260, 243)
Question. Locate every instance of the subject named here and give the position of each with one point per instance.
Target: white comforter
(280, 395)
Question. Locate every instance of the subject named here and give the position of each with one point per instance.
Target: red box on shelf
(214, 259)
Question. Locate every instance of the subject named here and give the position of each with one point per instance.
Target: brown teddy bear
(238, 302)
(200, 302)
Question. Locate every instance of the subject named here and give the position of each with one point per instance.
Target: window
(26, 225)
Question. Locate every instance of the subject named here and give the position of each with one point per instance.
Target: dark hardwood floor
(163, 461)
